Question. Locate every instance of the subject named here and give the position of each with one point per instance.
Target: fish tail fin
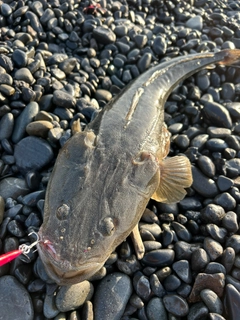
(175, 176)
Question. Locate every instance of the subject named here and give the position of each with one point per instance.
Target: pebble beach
(63, 61)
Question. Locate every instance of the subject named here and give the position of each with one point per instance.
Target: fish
(104, 176)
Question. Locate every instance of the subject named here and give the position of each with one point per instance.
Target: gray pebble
(24, 74)
(49, 307)
(32, 153)
(159, 258)
(63, 99)
(212, 213)
(199, 259)
(228, 258)
(73, 296)
(112, 306)
(234, 242)
(142, 286)
(6, 126)
(195, 23)
(213, 248)
(176, 305)
(228, 91)
(156, 310)
(21, 307)
(20, 58)
(203, 185)
(216, 114)
(212, 301)
(159, 45)
(218, 234)
(104, 35)
(224, 183)
(27, 115)
(225, 200)
(230, 222)
(183, 271)
(233, 301)
(197, 311)
(207, 166)
(13, 187)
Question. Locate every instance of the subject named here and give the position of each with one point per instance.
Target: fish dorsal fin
(175, 176)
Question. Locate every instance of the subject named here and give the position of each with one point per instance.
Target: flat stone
(21, 307)
(32, 153)
(116, 289)
(212, 301)
(39, 128)
(176, 305)
(156, 310)
(26, 116)
(215, 282)
(159, 258)
(203, 185)
(13, 187)
(73, 296)
(216, 114)
(6, 126)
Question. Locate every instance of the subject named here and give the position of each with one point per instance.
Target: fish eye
(107, 226)
(62, 212)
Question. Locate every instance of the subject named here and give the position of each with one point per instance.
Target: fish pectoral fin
(175, 176)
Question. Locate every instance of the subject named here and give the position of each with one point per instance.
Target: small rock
(176, 305)
(156, 310)
(32, 153)
(113, 305)
(73, 296)
(215, 282)
(21, 307)
(212, 301)
(203, 185)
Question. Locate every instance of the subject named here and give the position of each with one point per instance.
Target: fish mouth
(61, 271)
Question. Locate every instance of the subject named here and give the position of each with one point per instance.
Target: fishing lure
(22, 249)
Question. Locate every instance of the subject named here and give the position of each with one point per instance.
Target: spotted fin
(175, 175)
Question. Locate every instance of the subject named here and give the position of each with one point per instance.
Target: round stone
(21, 307)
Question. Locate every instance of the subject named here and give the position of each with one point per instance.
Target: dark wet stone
(216, 114)
(159, 258)
(213, 248)
(197, 311)
(142, 286)
(215, 267)
(171, 283)
(25, 75)
(233, 301)
(230, 222)
(228, 91)
(144, 62)
(49, 307)
(155, 309)
(202, 81)
(6, 10)
(228, 258)
(216, 145)
(73, 296)
(13, 211)
(6, 63)
(102, 94)
(233, 142)
(118, 283)
(6, 126)
(215, 132)
(233, 163)
(159, 45)
(32, 153)
(21, 304)
(13, 187)
(23, 273)
(234, 109)
(215, 282)
(212, 301)
(195, 23)
(63, 99)
(234, 242)
(218, 234)
(184, 250)
(104, 35)
(157, 286)
(199, 259)
(181, 231)
(36, 286)
(203, 185)
(225, 200)
(34, 21)
(19, 58)
(32, 198)
(27, 115)
(16, 229)
(183, 271)
(212, 213)
(224, 183)
(175, 304)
